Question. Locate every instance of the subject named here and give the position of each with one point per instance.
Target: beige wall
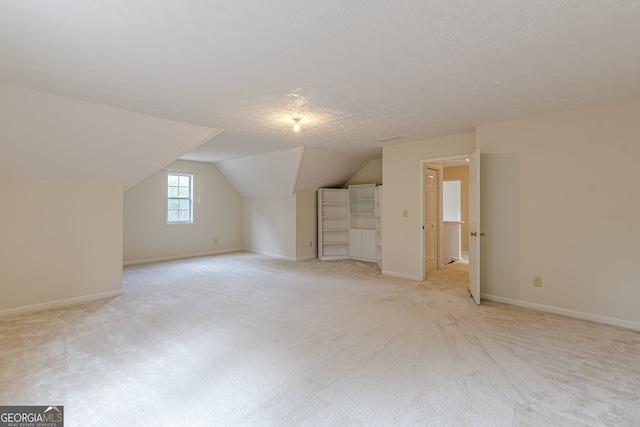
(306, 225)
(402, 171)
(461, 173)
(276, 225)
(282, 226)
(217, 214)
(270, 225)
(559, 199)
(61, 242)
(370, 173)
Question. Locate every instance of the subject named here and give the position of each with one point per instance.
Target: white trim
(176, 257)
(565, 312)
(192, 209)
(400, 275)
(59, 303)
(269, 254)
(306, 258)
(363, 259)
(423, 165)
(180, 171)
(446, 158)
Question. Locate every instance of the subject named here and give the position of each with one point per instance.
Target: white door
(474, 226)
(431, 221)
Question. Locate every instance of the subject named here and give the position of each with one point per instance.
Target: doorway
(471, 232)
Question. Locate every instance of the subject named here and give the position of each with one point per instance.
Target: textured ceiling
(355, 71)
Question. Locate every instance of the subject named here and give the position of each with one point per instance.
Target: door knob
(473, 234)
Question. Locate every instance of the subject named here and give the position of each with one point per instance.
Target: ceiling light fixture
(296, 124)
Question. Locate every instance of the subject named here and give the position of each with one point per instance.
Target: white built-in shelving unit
(362, 237)
(333, 224)
(348, 226)
(378, 227)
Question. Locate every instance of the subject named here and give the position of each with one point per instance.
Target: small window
(179, 198)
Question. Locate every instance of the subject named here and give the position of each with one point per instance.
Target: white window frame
(168, 198)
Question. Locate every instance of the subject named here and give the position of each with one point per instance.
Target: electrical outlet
(537, 281)
(310, 244)
(215, 240)
(405, 214)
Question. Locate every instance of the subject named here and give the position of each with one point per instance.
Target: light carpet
(244, 339)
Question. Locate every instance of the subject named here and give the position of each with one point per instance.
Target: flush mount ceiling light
(296, 123)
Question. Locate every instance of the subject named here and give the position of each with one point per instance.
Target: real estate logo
(31, 416)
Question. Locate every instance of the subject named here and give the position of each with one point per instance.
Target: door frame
(439, 170)
(423, 165)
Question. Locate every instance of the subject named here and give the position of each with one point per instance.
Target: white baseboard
(269, 254)
(363, 259)
(401, 275)
(175, 257)
(565, 312)
(304, 258)
(59, 303)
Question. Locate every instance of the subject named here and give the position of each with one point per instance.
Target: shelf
(344, 214)
(335, 251)
(333, 223)
(337, 223)
(333, 196)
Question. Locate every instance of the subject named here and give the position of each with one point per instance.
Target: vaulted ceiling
(50, 136)
(357, 72)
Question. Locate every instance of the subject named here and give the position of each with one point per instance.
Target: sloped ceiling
(48, 136)
(271, 174)
(282, 173)
(321, 168)
(357, 72)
